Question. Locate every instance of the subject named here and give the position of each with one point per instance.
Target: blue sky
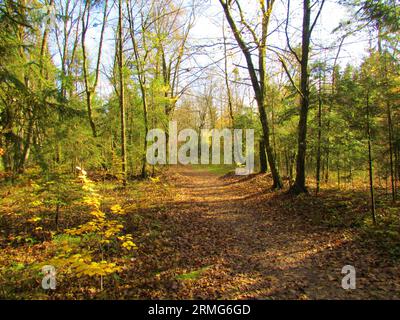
(209, 23)
(208, 29)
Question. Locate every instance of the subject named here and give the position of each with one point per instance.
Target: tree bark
(226, 76)
(390, 137)
(370, 163)
(318, 173)
(141, 77)
(121, 94)
(90, 88)
(263, 157)
(257, 84)
(299, 185)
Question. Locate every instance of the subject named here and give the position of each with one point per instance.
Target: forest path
(228, 237)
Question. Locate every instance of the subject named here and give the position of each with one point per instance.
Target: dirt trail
(229, 238)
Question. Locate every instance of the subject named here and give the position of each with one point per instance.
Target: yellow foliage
(155, 180)
(129, 245)
(34, 219)
(127, 242)
(36, 203)
(116, 209)
(97, 214)
(83, 265)
(76, 258)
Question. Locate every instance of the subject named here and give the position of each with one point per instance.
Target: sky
(209, 21)
(208, 30)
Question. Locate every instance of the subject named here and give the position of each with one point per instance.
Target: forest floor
(203, 235)
(235, 239)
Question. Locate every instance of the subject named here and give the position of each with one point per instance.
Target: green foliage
(193, 275)
(381, 12)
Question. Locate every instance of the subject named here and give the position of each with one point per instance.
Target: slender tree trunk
(397, 166)
(142, 79)
(388, 112)
(263, 158)
(57, 215)
(88, 89)
(228, 89)
(277, 184)
(31, 122)
(146, 130)
(318, 173)
(390, 136)
(258, 83)
(300, 182)
(370, 163)
(121, 93)
(43, 47)
(27, 145)
(327, 167)
(351, 176)
(273, 129)
(287, 162)
(65, 50)
(292, 162)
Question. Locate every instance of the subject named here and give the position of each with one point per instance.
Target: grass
(217, 169)
(194, 275)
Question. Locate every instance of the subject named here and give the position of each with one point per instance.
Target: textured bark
(390, 137)
(258, 84)
(263, 158)
(226, 77)
(299, 185)
(370, 162)
(90, 88)
(318, 169)
(121, 93)
(139, 63)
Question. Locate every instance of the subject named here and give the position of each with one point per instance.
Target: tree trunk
(88, 90)
(318, 173)
(396, 166)
(299, 185)
(121, 94)
(258, 84)
(228, 89)
(263, 157)
(146, 130)
(327, 167)
(370, 163)
(390, 136)
(140, 68)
